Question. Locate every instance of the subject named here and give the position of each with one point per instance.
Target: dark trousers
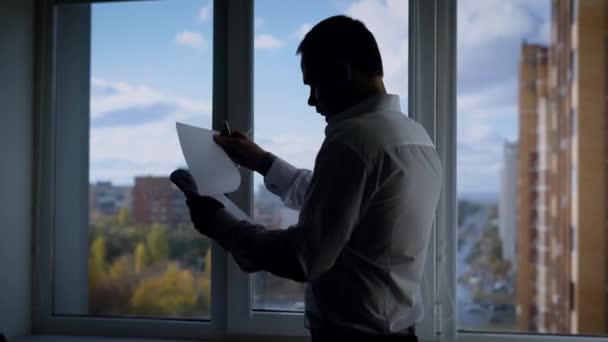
(327, 334)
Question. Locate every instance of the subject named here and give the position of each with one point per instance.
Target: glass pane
(151, 65)
(532, 166)
(285, 125)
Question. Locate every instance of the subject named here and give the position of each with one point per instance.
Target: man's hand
(202, 212)
(242, 150)
(202, 208)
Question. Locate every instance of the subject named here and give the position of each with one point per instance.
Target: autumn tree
(157, 244)
(97, 261)
(172, 294)
(142, 260)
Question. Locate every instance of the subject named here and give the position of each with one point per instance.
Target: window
(573, 70)
(285, 125)
(496, 113)
(139, 244)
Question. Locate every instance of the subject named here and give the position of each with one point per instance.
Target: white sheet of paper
(214, 172)
(210, 166)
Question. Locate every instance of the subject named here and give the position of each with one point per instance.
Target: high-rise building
(157, 200)
(563, 174)
(532, 90)
(507, 206)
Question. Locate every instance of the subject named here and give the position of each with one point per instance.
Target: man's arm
(280, 177)
(287, 182)
(311, 247)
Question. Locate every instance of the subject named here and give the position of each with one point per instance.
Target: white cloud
(205, 12)
(189, 38)
(485, 21)
(490, 34)
(498, 94)
(302, 31)
(120, 95)
(267, 41)
(120, 152)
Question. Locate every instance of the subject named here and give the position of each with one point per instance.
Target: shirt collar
(384, 102)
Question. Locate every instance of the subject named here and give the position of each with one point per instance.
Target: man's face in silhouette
(330, 86)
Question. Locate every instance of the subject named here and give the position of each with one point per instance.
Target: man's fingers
(240, 135)
(232, 142)
(223, 141)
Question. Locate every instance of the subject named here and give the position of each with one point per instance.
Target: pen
(227, 132)
(227, 128)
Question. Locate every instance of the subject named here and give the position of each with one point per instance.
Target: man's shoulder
(376, 132)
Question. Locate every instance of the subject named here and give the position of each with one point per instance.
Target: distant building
(157, 200)
(507, 206)
(106, 199)
(563, 175)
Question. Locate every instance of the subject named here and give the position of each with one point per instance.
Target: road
(470, 315)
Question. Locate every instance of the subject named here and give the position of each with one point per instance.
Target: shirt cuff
(280, 176)
(266, 163)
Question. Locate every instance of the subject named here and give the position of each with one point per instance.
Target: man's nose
(311, 100)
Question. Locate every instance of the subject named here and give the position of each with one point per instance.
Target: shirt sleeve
(288, 182)
(308, 249)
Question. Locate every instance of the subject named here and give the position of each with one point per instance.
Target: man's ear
(349, 72)
(342, 72)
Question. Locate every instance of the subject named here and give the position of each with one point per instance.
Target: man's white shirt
(366, 214)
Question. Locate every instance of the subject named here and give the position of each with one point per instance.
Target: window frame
(246, 320)
(447, 120)
(61, 161)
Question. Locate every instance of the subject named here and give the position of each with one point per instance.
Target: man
(367, 209)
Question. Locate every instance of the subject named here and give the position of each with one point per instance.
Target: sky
(151, 65)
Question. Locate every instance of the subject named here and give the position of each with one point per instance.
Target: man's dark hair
(342, 39)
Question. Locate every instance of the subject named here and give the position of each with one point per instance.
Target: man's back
(374, 285)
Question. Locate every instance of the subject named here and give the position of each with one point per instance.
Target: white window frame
(445, 123)
(61, 159)
(242, 319)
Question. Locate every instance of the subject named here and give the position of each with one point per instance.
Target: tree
(172, 294)
(158, 244)
(123, 217)
(122, 267)
(142, 260)
(97, 261)
(204, 284)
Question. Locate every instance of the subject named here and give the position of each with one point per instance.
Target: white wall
(16, 150)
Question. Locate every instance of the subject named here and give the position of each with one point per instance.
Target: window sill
(464, 337)
(235, 338)
(61, 338)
